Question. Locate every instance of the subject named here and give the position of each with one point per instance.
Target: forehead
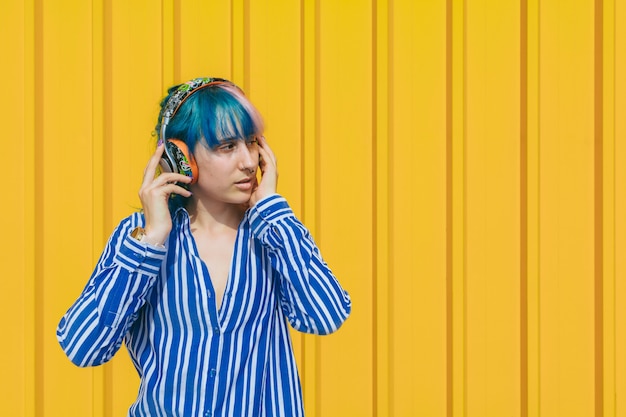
(237, 137)
(204, 145)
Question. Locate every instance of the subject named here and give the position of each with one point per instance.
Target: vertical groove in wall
(246, 44)
(449, 233)
(101, 377)
(309, 72)
(303, 118)
(163, 38)
(238, 43)
(177, 29)
(390, 85)
(531, 125)
(381, 202)
(107, 164)
(318, 191)
(39, 210)
(304, 107)
(461, 260)
(107, 97)
(609, 224)
(598, 208)
(375, 220)
(232, 43)
(456, 213)
(29, 302)
(303, 162)
(167, 43)
(523, 208)
(318, 104)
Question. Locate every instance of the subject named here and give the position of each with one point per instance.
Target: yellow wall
(462, 165)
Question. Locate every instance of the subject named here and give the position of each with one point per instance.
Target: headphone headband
(178, 97)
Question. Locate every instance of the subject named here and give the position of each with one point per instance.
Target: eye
(227, 146)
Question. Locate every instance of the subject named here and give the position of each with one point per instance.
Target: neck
(214, 216)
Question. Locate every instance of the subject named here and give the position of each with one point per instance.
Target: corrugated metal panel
(460, 163)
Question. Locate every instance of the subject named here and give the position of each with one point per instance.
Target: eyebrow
(228, 140)
(236, 138)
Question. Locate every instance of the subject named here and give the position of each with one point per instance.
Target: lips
(245, 180)
(245, 184)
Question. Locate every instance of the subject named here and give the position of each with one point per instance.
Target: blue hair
(209, 116)
(212, 114)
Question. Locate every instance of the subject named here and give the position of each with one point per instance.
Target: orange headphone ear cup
(189, 161)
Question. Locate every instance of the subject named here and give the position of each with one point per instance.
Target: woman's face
(227, 173)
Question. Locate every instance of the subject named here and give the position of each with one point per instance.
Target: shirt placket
(202, 274)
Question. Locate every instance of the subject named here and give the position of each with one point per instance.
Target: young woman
(200, 284)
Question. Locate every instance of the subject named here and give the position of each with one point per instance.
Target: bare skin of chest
(217, 254)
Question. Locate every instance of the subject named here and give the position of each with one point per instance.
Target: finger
(177, 189)
(263, 160)
(267, 150)
(153, 163)
(168, 189)
(171, 178)
(266, 158)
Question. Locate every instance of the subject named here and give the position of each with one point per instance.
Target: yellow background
(462, 165)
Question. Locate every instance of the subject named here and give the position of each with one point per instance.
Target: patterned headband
(178, 97)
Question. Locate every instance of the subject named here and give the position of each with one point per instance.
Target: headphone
(176, 157)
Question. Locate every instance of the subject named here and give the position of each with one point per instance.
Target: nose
(248, 156)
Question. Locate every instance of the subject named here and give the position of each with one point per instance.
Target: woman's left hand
(269, 173)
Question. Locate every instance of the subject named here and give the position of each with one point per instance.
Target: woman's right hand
(154, 195)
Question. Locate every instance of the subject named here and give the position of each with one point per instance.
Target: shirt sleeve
(93, 329)
(310, 295)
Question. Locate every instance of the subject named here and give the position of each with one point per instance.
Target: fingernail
(160, 142)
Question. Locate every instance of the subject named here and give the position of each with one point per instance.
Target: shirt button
(208, 414)
(212, 373)
(216, 330)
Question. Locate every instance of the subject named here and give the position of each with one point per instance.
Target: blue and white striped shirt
(192, 359)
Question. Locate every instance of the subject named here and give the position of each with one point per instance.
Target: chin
(240, 199)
